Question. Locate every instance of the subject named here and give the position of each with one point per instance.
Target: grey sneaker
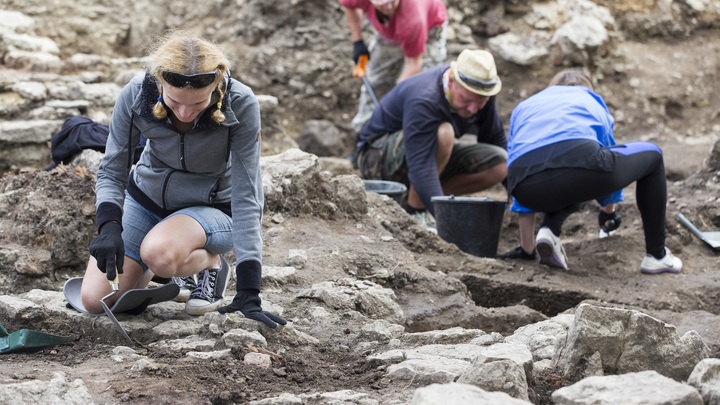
(550, 249)
(187, 285)
(208, 295)
(426, 220)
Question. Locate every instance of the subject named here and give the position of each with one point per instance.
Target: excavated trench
(490, 293)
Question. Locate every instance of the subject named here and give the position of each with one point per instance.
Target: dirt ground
(675, 105)
(603, 271)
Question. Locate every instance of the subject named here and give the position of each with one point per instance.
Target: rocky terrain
(380, 311)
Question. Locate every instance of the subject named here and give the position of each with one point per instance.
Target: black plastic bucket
(392, 189)
(473, 224)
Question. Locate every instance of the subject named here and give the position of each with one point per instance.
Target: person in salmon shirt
(407, 37)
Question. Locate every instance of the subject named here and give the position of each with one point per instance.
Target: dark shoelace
(205, 289)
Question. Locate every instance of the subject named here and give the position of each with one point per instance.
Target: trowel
(27, 341)
(712, 239)
(114, 286)
(133, 301)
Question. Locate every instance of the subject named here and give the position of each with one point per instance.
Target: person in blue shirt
(411, 137)
(562, 153)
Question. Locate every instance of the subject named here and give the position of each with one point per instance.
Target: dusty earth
(663, 89)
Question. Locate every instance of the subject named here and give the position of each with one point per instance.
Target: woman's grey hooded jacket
(211, 165)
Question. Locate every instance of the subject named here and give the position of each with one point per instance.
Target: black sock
(659, 256)
(412, 210)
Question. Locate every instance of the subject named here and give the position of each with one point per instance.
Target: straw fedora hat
(475, 70)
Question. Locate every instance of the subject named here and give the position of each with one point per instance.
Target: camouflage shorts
(473, 157)
(384, 159)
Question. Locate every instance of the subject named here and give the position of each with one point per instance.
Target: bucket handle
(485, 198)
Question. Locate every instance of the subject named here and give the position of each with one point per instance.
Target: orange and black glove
(359, 49)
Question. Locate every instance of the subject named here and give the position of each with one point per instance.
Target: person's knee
(91, 303)
(446, 136)
(497, 173)
(159, 258)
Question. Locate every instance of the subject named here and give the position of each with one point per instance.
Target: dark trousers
(560, 192)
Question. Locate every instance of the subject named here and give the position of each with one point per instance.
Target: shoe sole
(202, 309)
(547, 254)
(659, 271)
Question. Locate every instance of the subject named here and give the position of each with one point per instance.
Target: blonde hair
(572, 77)
(181, 52)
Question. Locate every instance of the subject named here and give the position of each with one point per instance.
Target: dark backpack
(79, 133)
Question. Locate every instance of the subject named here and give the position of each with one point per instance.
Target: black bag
(79, 133)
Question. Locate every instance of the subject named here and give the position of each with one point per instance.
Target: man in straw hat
(412, 136)
(408, 36)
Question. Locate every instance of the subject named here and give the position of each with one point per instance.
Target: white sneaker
(668, 264)
(187, 285)
(550, 249)
(426, 220)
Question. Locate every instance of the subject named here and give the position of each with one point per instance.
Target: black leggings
(560, 192)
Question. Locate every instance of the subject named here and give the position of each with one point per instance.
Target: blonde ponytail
(159, 111)
(218, 115)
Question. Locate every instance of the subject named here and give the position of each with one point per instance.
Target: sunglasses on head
(196, 81)
(478, 84)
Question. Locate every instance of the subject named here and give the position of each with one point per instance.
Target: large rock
(55, 391)
(321, 138)
(706, 378)
(617, 341)
(456, 393)
(295, 184)
(642, 388)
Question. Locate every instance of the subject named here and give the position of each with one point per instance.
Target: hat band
(477, 84)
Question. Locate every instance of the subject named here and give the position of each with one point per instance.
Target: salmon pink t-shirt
(408, 27)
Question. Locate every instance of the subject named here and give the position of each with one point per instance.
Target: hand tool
(115, 286)
(133, 301)
(27, 341)
(359, 71)
(712, 239)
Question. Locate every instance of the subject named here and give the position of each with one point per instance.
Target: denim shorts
(137, 221)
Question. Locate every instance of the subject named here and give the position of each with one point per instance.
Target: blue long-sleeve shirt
(557, 114)
(418, 106)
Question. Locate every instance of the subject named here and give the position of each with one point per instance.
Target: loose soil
(684, 122)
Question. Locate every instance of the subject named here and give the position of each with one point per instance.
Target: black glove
(109, 250)
(248, 302)
(609, 222)
(359, 49)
